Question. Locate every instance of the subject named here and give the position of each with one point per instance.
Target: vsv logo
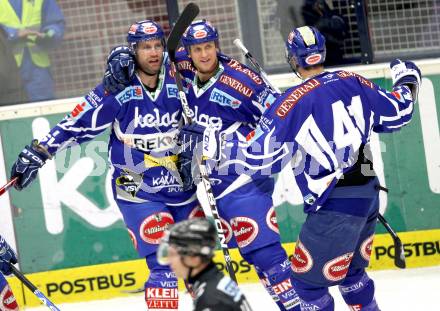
(224, 99)
(129, 93)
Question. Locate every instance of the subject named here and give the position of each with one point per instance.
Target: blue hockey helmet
(306, 46)
(200, 31)
(144, 31)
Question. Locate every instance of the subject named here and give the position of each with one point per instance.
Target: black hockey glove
(29, 161)
(7, 255)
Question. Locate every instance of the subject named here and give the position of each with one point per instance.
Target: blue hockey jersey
(319, 127)
(232, 102)
(142, 142)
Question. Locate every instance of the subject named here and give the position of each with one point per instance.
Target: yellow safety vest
(31, 19)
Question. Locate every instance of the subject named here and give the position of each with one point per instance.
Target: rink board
(67, 222)
(422, 248)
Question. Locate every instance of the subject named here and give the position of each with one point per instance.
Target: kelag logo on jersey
(224, 99)
(129, 93)
(172, 91)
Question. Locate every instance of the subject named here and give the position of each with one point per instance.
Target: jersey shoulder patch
(132, 92)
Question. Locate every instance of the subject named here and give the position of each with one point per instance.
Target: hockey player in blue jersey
(322, 128)
(144, 119)
(7, 256)
(228, 97)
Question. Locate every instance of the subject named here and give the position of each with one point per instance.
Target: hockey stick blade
(33, 288)
(185, 19)
(399, 252)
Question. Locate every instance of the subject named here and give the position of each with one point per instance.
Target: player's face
(149, 55)
(176, 264)
(204, 57)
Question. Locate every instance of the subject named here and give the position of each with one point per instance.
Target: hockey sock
(358, 291)
(161, 293)
(273, 263)
(269, 289)
(314, 298)
(7, 299)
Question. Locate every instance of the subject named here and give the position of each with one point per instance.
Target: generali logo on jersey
(291, 100)
(239, 67)
(236, 85)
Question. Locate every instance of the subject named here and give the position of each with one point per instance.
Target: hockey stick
(8, 185)
(399, 252)
(255, 64)
(33, 288)
(399, 260)
(185, 19)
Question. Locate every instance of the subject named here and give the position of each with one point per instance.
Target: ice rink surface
(396, 290)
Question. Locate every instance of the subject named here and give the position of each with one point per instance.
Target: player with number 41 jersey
(322, 128)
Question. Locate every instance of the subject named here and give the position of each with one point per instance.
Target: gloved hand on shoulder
(406, 73)
(120, 69)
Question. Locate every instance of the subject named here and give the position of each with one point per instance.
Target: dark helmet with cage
(144, 31)
(200, 31)
(305, 47)
(192, 237)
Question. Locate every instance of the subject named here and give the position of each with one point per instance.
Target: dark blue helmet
(144, 31)
(200, 31)
(306, 46)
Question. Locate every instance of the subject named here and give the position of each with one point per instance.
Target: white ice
(396, 290)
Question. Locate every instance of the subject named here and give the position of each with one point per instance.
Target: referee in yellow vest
(33, 27)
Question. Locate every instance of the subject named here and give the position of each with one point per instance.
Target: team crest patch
(130, 183)
(302, 261)
(129, 93)
(153, 227)
(366, 248)
(337, 268)
(245, 230)
(224, 99)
